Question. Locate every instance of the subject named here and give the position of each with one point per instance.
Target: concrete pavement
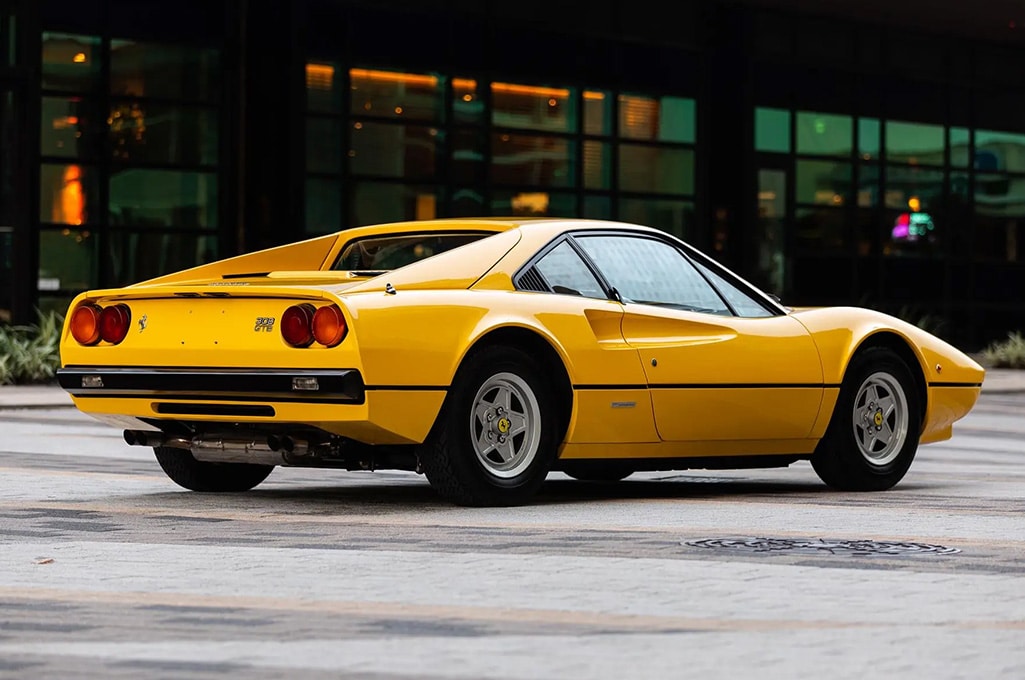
(998, 380)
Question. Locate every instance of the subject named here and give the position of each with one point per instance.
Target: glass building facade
(830, 161)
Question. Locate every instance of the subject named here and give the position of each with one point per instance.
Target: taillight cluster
(302, 325)
(91, 323)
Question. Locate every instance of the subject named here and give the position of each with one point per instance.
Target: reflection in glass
(597, 207)
(68, 128)
(959, 147)
(67, 194)
(824, 134)
(910, 187)
(467, 156)
(142, 69)
(163, 198)
(389, 150)
(1000, 194)
(162, 134)
(532, 160)
(663, 119)
(378, 202)
(655, 169)
(823, 182)
(390, 94)
(323, 91)
(140, 255)
(533, 107)
(597, 165)
(820, 228)
(999, 151)
(467, 202)
(323, 145)
(533, 204)
(999, 238)
(467, 105)
(772, 213)
(67, 259)
(772, 130)
(674, 217)
(868, 138)
(71, 63)
(323, 206)
(597, 113)
(868, 185)
(914, 142)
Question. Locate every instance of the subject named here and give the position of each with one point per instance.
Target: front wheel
(873, 434)
(497, 434)
(197, 475)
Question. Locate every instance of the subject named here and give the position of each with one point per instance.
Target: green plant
(30, 354)
(930, 323)
(1009, 353)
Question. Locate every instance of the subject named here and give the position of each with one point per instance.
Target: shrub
(1009, 353)
(30, 354)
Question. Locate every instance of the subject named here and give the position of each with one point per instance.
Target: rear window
(392, 252)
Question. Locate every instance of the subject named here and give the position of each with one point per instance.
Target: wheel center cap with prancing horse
(503, 425)
(878, 418)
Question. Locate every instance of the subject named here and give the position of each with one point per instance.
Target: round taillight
(329, 326)
(297, 325)
(114, 323)
(85, 324)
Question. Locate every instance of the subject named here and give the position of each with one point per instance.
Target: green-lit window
(824, 134)
(149, 133)
(656, 169)
(467, 165)
(467, 104)
(163, 198)
(390, 94)
(323, 88)
(532, 160)
(869, 131)
(533, 107)
(380, 202)
(914, 142)
(389, 150)
(140, 255)
(323, 205)
(139, 69)
(960, 156)
(912, 188)
(820, 228)
(67, 259)
(597, 207)
(323, 145)
(1002, 151)
(823, 182)
(71, 63)
(772, 130)
(674, 217)
(661, 119)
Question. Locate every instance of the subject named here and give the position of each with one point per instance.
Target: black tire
(611, 471)
(863, 456)
(196, 475)
(450, 457)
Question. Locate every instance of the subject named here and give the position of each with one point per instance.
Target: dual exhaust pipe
(274, 450)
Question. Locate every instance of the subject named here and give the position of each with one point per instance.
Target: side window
(652, 272)
(566, 273)
(742, 303)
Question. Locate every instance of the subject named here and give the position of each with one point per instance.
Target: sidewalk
(998, 380)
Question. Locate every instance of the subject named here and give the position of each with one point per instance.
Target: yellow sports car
(486, 353)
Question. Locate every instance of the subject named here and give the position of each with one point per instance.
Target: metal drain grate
(819, 546)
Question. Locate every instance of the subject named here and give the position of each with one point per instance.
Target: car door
(713, 374)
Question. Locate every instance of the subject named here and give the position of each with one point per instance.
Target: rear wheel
(497, 434)
(873, 434)
(196, 475)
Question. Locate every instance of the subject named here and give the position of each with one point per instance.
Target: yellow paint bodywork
(646, 382)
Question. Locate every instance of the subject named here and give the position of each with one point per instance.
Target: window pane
(389, 94)
(820, 229)
(140, 69)
(67, 259)
(597, 112)
(468, 202)
(772, 130)
(999, 238)
(910, 233)
(323, 205)
(1000, 195)
(323, 145)
(380, 202)
(532, 160)
(914, 142)
(71, 63)
(868, 185)
(959, 139)
(68, 194)
(651, 272)
(868, 138)
(743, 304)
(566, 273)
(69, 128)
(674, 217)
(533, 204)
(663, 119)
(597, 165)
(163, 198)
(823, 182)
(824, 134)
(467, 105)
(388, 150)
(6, 272)
(323, 90)
(655, 169)
(997, 151)
(912, 187)
(468, 156)
(532, 107)
(138, 256)
(597, 207)
(162, 133)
